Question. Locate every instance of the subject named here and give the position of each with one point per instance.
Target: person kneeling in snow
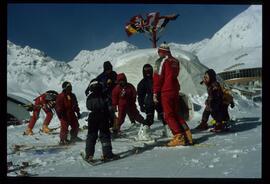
(98, 120)
(124, 97)
(147, 105)
(46, 102)
(214, 104)
(66, 106)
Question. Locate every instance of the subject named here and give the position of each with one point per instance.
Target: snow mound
(191, 70)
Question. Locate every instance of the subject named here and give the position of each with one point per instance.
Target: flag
(153, 23)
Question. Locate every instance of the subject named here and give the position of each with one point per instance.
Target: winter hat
(107, 66)
(164, 48)
(121, 77)
(212, 75)
(65, 85)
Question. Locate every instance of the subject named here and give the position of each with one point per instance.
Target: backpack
(227, 95)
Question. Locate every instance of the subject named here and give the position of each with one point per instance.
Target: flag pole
(154, 39)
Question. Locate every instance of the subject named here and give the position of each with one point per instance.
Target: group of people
(110, 97)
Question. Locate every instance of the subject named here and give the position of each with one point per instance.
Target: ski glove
(114, 109)
(78, 115)
(155, 98)
(60, 115)
(142, 108)
(232, 105)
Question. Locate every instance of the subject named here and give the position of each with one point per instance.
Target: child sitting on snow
(215, 105)
(98, 120)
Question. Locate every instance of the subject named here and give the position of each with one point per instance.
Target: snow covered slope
(194, 48)
(92, 61)
(239, 41)
(235, 154)
(31, 72)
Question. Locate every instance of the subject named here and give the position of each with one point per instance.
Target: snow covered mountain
(239, 41)
(92, 61)
(29, 70)
(32, 72)
(194, 48)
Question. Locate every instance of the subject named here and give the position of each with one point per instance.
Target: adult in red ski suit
(124, 97)
(165, 81)
(46, 102)
(66, 107)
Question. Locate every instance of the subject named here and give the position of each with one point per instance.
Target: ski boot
(28, 131)
(64, 142)
(143, 134)
(188, 136)
(90, 158)
(45, 129)
(74, 139)
(202, 126)
(218, 127)
(109, 157)
(116, 133)
(178, 140)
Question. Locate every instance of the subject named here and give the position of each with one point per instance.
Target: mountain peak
(243, 31)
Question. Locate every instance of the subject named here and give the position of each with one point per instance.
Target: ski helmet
(66, 85)
(95, 86)
(107, 66)
(147, 69)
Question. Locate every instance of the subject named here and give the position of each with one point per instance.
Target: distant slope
(241, 36)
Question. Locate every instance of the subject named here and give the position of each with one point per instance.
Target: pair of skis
(19, 169)
(99, 161)
(144, 146)
(16, 148)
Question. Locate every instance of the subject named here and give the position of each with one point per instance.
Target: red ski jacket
(66, 105)
(123, 96)
(165, 75)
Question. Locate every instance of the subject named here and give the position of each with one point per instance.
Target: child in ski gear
(145, 99)
(165, 82)
(66, 107)
(108, 81)
(214, 105)
(98, 121)
(124, 98)
(46, 102)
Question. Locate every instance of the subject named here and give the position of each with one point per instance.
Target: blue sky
(63, 30)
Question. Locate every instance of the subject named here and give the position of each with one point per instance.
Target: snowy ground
(236, 154)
